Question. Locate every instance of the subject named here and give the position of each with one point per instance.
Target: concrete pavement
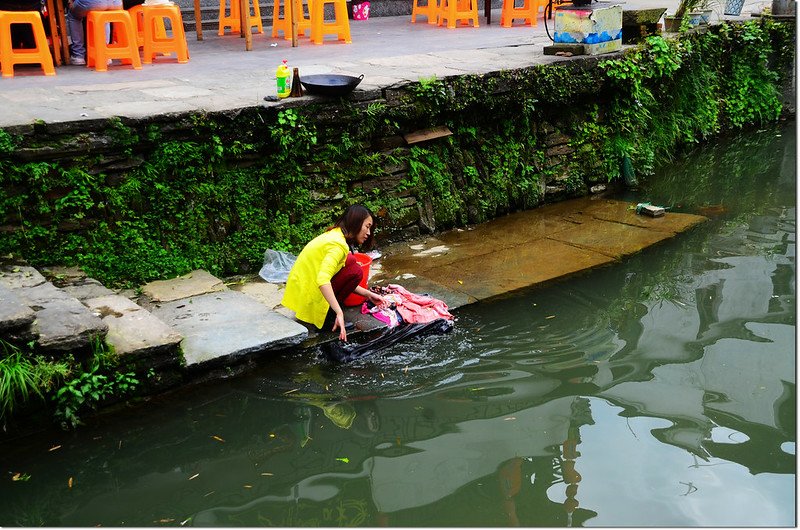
(221, 75)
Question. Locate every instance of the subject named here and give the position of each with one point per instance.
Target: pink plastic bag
(361, 11)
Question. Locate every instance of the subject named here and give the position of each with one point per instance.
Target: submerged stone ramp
(526, 248)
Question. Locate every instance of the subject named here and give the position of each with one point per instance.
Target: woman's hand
(340, 324)
(327, 293)
(377, 300)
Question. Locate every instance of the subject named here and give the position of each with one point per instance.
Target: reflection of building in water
(727, 372)
(513, 459)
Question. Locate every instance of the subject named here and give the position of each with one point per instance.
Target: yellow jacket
(321, 258)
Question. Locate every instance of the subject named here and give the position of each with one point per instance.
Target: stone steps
(187, 322)
(61, 322)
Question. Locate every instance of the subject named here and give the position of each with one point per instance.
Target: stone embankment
(197, 322)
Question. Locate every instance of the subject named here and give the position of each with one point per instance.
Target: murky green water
(659, 391)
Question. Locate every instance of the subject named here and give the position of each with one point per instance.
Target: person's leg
(75, 22)
(346, 280)
(344, 283)
(74, 18)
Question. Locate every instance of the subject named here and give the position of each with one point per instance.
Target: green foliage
(73, 389)
(22, 377)
(748, 86)
(273, 178)
(679, 92)
(431, 92)
(7, 143)
(90, 387)
(87, 390)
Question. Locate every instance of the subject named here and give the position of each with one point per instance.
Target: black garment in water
(338, 351)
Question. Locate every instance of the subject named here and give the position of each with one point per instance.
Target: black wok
(330, 84)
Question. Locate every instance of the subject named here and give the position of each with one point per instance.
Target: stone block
(222, 326)
(88, 288)
(269, 294)
(133, 331)
(193, 284)
(20, 277)
(13, 313)
(62, 322)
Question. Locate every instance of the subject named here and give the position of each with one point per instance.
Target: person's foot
(77, 61)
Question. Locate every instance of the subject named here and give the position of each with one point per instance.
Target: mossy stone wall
(137, 200)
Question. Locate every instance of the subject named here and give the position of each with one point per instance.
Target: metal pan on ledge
(331, 85)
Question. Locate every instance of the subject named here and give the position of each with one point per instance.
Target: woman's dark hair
(351, 221)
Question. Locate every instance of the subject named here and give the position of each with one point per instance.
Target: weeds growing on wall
(273, 179)
(672, 93)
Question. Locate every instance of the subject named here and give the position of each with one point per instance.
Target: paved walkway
(221, 75)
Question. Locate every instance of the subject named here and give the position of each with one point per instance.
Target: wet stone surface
(224, 325)
(526, 248)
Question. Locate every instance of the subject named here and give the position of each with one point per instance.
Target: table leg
(55, 36)
(198, 20)
(244, 16)
(62, 23)
(290, 5)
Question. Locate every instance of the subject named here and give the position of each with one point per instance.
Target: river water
(659, 391)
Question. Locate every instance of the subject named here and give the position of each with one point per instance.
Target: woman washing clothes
(326, 272)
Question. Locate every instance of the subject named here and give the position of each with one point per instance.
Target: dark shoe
(348, 326)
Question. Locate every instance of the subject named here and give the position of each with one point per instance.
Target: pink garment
(413, 308)
(387, 316)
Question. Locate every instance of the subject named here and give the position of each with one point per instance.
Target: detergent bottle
(284, 78)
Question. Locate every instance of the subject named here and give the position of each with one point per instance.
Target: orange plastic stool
(462, 11)
(430, 11)
(137, 15)
(528, 12)
(9, 56)
(123, 46)
(154, 43)
(340, 24)
(284, 23)
(233, 20)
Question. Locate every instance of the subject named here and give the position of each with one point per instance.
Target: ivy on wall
(214, 192)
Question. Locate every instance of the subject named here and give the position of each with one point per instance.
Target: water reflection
(659, 391)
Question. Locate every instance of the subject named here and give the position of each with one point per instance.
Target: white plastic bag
(277, 265)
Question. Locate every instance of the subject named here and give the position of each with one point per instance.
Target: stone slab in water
(13, 313)
(625, 212)
(132, 330)
(611, 238)
(497, 273)
(526, 248)
(220, 326)
(62, 322)
(193, 284)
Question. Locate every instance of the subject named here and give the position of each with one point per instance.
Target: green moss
(215, 191)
